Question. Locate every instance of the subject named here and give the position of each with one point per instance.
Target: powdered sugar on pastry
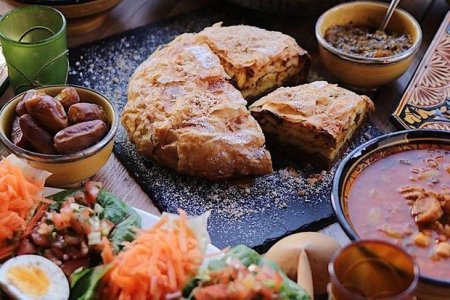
(183, 113)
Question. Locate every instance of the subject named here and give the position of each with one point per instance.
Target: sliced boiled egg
(33, 277)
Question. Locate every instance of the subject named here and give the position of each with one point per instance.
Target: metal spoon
(389, 13)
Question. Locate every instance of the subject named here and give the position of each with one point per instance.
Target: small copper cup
(371, 269)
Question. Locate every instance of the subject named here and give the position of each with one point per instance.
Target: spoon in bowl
(389, 13)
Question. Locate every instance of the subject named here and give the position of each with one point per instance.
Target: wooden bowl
(71, 168)
(82, 17)
(289, 7)
(428, 287)
(362, 72)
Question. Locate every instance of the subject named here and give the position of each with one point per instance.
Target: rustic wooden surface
(134, 13)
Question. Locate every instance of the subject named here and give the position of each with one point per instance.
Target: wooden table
(134, 13)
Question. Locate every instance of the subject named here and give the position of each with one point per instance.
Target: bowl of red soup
(396, 188)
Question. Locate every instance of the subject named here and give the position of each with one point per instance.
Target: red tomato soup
(403, 196)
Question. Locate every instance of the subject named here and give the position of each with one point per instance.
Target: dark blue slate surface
(255, 212)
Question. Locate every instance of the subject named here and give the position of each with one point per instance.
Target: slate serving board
(256, 211)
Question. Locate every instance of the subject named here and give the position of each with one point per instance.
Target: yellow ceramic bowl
(362, 72)
(71, 168)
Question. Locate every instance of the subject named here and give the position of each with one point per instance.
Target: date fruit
(40, 140)
(68, 97)
(82, 112)
(21, 109)
(48, 112)
(42, 122)
(79, 136)
(17, 136)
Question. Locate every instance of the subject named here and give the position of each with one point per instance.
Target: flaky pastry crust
(317, 118)
(256, 59)
(183, 113)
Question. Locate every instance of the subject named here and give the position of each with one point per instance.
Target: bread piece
(316, 118)
(257, 60)
(183, 113)
(304, 257)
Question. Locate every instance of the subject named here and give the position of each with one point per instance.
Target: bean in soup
(403, 197)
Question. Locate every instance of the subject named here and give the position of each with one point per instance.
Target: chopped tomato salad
(69, 235)
(238, 282)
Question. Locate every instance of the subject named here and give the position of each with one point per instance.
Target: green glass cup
(35, 46)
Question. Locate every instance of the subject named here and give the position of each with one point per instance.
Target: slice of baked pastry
(183, 113)
(257, 60)
(316, 118)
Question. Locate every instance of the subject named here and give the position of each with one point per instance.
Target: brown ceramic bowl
(361, 72)
(70, 168)
(428, 287)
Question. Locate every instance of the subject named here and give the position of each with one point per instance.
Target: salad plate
(147, 220)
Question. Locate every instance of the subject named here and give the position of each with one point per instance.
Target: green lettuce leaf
(125, 231)
(289, 290)
(246, 255)
(83, 283)
(115, 209)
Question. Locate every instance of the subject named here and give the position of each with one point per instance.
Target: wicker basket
(291, 7)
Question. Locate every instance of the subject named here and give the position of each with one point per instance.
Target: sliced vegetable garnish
(21, 189)
(157, 264)
(118, 220)
(79, 230)
(243, 274)
(198, 225)
(107, 251)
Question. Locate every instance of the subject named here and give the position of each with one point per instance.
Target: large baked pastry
(183, 113)
(316, 119)
(257, 60)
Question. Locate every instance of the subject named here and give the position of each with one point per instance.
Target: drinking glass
(372, 270)
(34, 44)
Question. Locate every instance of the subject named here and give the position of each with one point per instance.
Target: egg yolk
(30, 280)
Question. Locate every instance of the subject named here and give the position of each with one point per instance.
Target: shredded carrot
(107, 253)
(19, 196)
(158, 263)
(37, 216)
(48, 201)
(7, 251)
